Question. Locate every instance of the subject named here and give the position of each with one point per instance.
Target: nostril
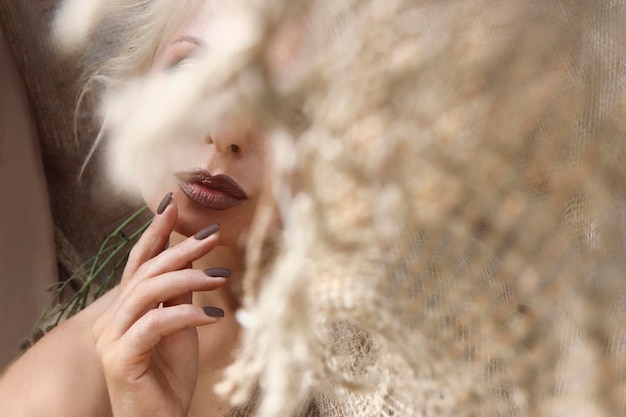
(234, 148)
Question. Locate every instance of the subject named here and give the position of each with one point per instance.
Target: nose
(230, 140)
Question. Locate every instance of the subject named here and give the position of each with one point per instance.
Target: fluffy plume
(453, 204)
(75, 21)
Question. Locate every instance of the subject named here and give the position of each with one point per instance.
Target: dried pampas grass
(452, 203)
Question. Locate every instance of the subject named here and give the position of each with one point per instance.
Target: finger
(148, 294)
(176, 257)
(153, 240)
(172, 259)
(182, 299)
(179, 256)
(158, 323)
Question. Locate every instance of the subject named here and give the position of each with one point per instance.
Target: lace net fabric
(452, 212)
(455, 245)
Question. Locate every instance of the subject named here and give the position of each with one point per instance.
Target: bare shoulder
(60, 375)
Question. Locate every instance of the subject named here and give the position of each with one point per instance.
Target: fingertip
(207, 231)
(155, 239)
(217, 272)
(165, 202)
(214, 312)
(166, 214)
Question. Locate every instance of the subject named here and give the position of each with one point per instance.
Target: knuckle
(96, 332)
(109, 359)
(137, 253)
(187, 309)
(101, 348)
(182, 251)
(140, 271)
(134, 294)
(99, 326)
(186, 280)
(152, 321)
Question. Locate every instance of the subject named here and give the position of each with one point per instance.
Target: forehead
(211, 25)
(199, 22)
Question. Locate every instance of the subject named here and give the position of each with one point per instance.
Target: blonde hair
(121, 48)
(453, 218)
(134, 37)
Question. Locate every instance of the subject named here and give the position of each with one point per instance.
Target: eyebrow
(189, 39)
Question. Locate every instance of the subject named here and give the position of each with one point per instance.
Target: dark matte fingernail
(164, 203)
(217, 272)
(207, 231)
(213, 311)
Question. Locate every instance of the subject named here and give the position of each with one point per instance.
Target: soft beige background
(27, 258)
(45, 152)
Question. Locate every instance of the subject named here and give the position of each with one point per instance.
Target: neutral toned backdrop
(27, 256)
(50, 233)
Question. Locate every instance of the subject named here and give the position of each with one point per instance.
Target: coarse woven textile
(452, 211)
(85, 210)
(456, 244)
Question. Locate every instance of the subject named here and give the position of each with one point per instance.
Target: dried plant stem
(113, 252)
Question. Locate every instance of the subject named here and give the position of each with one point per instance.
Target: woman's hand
(147, 339)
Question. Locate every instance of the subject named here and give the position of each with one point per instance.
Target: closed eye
(183, 51)
(182, 63)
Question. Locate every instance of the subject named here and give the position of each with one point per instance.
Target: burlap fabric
(455, 242)
(453, 214)
(84, 209)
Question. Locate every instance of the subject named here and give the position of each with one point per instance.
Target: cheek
(256, 178)
(153, 191)
(155, 170)
(259, 163)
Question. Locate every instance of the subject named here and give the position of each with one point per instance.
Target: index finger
(153, 240)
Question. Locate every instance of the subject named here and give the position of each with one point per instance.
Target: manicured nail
(217, 272)
(207, 231)
(164, 203)
(213, 311)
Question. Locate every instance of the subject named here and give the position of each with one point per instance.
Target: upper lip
(222, 183)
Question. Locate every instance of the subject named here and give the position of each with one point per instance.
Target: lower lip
(208, 197)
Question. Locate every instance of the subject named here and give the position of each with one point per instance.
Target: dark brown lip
(221, 183)
(215, 192)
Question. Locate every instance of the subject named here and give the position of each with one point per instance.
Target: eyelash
(179, 63)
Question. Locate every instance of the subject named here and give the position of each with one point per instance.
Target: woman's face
(224, 180)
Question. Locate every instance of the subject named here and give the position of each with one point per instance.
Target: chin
(233, 231)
